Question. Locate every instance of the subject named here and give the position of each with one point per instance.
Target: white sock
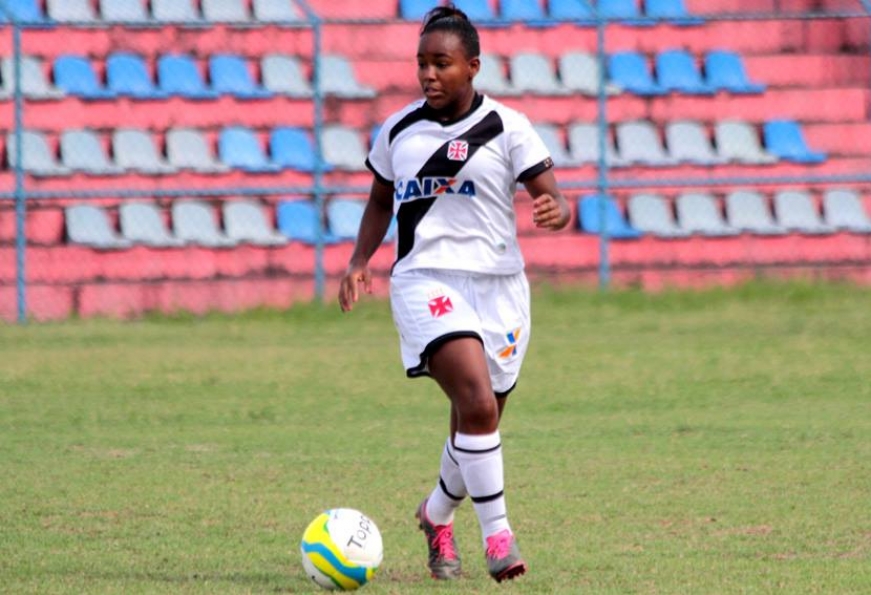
(480, 459)
(449, 492)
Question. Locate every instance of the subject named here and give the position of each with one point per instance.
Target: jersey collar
(431, 114)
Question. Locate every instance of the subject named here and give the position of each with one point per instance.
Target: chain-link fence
(172, 155)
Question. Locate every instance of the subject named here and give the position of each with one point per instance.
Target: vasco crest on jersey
(440, 305)
(458, 150)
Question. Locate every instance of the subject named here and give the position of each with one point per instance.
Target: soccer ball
(341, 549)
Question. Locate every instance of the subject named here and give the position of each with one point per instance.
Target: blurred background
(202, 155)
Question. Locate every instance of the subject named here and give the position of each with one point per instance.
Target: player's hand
(349, 286)
(549, 212)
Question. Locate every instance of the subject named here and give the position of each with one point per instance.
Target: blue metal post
(318, 101)
(20, 196)
(602, 181)
(318, 173)
(318, 189)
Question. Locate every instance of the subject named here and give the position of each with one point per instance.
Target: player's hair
(451, 19)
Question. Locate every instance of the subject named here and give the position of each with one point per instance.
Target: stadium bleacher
(227, 104)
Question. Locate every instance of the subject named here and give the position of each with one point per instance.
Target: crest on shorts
(511, 337)
(440, 305)
(458, 150)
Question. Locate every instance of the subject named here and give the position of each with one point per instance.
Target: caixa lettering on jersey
(428, 187)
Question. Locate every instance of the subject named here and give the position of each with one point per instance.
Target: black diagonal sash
(411, 213)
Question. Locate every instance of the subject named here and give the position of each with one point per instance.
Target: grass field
(696, 443)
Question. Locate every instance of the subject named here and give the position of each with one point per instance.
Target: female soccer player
(448, 166)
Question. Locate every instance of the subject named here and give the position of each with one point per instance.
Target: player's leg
(503, 307)
(450, 490)
(436, 513)
(460, 367)
(427, 310)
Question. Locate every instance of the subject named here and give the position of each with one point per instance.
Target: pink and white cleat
(503, 557)
(444, 561)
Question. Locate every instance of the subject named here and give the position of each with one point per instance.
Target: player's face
(445, 73)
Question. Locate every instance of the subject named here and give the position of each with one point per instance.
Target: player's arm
(373, 228)
(549, 207)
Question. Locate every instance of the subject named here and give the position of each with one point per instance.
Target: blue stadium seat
(293, 148)
(615, 223)
(179, 75)
(523, 11)
(300, 220)
(724, 71)
(477, 10)
(571, 10)
(676, 70)
(75, 76)
(415, 10)
(675, 11)
(784, 139)
(127, 74)
(230, 75)
(625, 11)
(630, 72)
(239, 147)
(24, 11)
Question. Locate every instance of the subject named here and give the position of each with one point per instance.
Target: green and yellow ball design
(341, 549)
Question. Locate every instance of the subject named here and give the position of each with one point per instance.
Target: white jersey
(454, 185)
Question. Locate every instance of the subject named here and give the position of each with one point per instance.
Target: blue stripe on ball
(354, 573)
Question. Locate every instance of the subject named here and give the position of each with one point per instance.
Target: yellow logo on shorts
(512, 337)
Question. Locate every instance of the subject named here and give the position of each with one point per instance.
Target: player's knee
(477, 410)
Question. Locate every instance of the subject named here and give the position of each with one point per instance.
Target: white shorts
(433, 306)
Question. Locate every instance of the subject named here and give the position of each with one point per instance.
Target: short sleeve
(527, 151)
(379, 157)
